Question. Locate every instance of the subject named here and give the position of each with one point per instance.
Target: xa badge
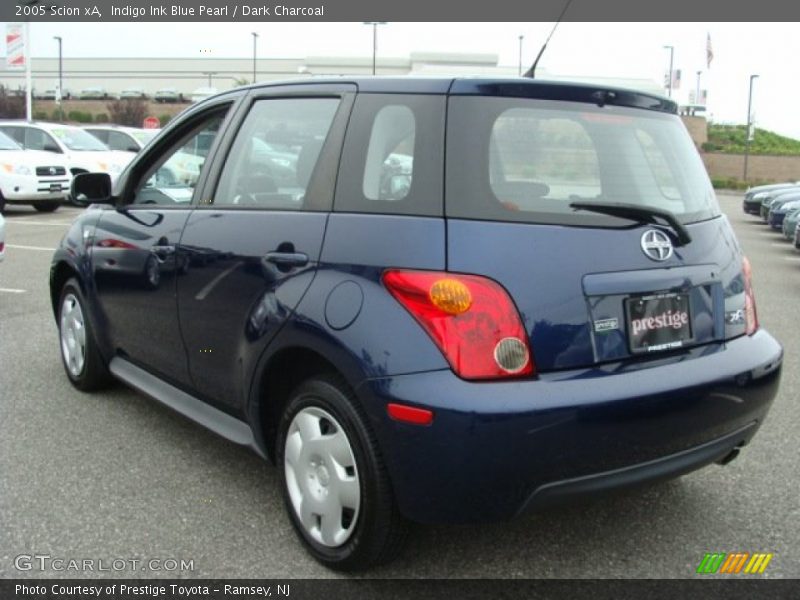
(656, 244)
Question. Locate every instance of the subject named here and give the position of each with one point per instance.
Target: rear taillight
(751, 316)
(471, 319)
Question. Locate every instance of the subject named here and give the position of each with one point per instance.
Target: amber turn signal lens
(450, 296)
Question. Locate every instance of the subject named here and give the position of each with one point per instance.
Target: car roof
(42, 124)
(493, 86)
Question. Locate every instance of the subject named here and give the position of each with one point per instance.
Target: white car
(127, 139)
(82, 152)
(41, 179)
(2, 237)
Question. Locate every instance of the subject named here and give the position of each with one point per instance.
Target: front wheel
(335, 485)
(79, 353)
(47, 207)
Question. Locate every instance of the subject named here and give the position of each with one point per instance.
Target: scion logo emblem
(656, 245)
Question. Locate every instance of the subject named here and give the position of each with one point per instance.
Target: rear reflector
(471, 319)
(409, 414)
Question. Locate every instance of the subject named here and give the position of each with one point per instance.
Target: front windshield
(78, 140)
(6, 143)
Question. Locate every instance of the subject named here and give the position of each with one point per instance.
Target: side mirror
(52, 148)
(91, 188)
(132, 148)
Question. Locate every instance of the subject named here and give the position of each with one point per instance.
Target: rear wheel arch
(283, 372)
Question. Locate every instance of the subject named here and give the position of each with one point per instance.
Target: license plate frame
(658, 322)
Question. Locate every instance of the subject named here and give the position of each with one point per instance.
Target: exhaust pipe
(729, 456)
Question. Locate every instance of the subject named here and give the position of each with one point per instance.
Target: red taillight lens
(751, 316)
(471, 319)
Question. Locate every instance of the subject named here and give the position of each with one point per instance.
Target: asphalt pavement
(117, 477)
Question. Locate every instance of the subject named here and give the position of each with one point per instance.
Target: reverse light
(751, 316)
(471, 319)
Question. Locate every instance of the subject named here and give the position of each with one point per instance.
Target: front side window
(517, 159)
(173, 178)
(273, 158)
(36, 139)
(121, 141)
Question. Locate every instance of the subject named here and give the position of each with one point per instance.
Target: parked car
(790, 224)
(93, 93)
(796, 240)
(202, 93)
(125, 139)
(474, 298)
(81, 151)
(779, 210)
(777, 195)
(775, 202)
(133, 93)
(50, 94)
(753, 197)
(2, 237)
(168, 95)
(40, 179)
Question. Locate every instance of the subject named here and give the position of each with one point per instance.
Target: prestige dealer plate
(658, 322)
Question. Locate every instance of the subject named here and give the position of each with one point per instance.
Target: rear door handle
(287, 259)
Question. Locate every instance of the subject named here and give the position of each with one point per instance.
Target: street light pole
(669, 77)
(749, 121)
(374, 40)
(521, 37)
(60, 79)
(255, 37)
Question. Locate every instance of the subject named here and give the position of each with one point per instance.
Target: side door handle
(163, 252)
(287, 259)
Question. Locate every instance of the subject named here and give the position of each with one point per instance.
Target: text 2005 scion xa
(431, 300)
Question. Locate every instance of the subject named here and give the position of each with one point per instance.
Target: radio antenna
(531, 73)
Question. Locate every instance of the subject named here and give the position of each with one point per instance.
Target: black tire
(47, 207)
(2, 205)
(93, 375)
(380, 531)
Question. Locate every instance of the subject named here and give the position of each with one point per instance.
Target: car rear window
(527, 160)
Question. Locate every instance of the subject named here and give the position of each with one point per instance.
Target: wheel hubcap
(322, 477)
(73, 335)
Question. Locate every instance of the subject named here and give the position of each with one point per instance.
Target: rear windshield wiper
(634, 212)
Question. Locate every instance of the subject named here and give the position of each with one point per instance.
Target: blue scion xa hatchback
(430, 300)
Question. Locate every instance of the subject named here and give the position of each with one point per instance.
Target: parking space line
(12, 291)
(794, 258)
(31, 222)
(15, 246)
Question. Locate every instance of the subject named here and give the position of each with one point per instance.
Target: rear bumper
(496, 449)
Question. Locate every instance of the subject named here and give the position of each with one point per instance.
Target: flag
(709, 51)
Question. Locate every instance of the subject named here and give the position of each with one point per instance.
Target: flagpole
(28, 77)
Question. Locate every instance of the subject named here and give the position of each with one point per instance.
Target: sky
(623, 50)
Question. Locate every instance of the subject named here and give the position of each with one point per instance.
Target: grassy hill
(730, 139)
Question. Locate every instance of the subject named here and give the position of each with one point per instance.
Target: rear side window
(527, 160)
(393, 156)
